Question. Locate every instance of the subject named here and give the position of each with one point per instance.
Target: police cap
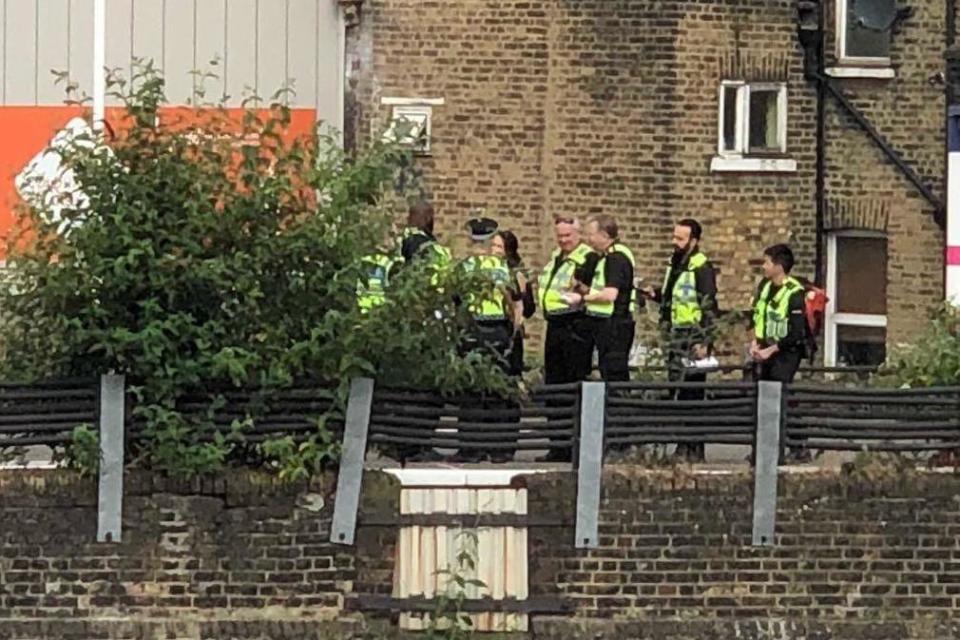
(481, 229)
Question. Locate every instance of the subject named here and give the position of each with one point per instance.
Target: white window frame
(742, 133)
(740, 159)
(833, 318)
(412, 115)
(844, 59)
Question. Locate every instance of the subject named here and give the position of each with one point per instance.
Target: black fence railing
(640, 413)
(46, 413)
(255, 414)
(819, 417)
(404, 423)
(408, 421)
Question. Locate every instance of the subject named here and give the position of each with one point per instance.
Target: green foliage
(933, 357)
(448, 620)
(294, 460)
(213, 248)
(83, 452)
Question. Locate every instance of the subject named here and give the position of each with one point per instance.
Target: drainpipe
(810, 33)
(821, 181)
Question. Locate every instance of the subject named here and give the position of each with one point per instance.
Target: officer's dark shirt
(618, 273)
(412, 246)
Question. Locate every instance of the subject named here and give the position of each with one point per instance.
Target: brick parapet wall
(857, 556)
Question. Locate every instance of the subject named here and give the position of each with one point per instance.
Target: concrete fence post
(350, 475)
(769, 421)
(110, 494)
(593, 401)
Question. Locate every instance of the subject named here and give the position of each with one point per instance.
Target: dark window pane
(730, 118)
(861, 275)
(763, 120)
(861, 346)
(868, 28)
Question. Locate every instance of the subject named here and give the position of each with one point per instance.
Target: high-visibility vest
(371, 289)
(489, 305)
(771, 320)
(553, 284)
(436, 256)
(605, 309)
(435, 253)
(685, 310)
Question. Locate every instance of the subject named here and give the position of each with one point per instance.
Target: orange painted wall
(25, 131)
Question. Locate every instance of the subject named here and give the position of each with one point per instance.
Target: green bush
(933, 358)
(213, 249)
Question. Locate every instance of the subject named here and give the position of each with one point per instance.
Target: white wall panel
(211, 45)
(241, 61)
(179, 49)
(260, 45)
(21, 29)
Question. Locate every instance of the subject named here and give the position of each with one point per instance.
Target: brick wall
(856, 557)
(871, 554)
(610, 106)
(240, 557)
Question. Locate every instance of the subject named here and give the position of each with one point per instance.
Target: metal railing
(46, 413)
(577, 422)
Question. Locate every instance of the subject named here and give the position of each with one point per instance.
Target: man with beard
(688, 310)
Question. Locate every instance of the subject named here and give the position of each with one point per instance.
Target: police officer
(779, 323)
(371, 289)
(493, 309)
(609, 299)
(417, 240)
(568, 346)
(688, 311)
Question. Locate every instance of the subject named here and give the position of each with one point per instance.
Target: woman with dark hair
(506, 245)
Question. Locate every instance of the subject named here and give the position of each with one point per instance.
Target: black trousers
(515, 359)
(567, 357)
(568, 349)
(495, 338)
(613, 338)
(782, 367)
(680, 345)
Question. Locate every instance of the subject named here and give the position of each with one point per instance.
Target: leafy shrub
(214, 248)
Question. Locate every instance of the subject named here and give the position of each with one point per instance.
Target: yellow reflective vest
(371, 289)
(685, 310)
(553, 284)
(599, 282)
(489, 305)
(771, 320)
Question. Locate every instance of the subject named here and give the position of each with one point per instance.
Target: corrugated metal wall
(259, 44)
(425, 554)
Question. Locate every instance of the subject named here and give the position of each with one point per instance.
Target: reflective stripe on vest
(772, 321)
(605, 309)
(685, 308)
(552, 285)
(488, 306)
(371, 289)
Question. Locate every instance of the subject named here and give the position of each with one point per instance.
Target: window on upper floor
(863, 30)
(752, 127)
